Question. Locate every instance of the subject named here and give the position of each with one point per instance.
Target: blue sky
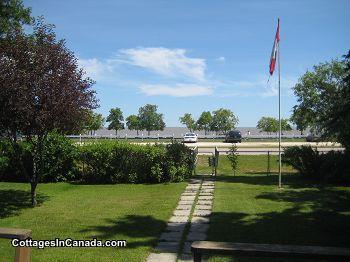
(191, 56)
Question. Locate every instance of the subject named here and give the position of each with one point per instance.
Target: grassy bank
(250, 208)
(135, 213)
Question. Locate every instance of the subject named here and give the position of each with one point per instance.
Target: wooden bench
(22, 254)
(200, 248)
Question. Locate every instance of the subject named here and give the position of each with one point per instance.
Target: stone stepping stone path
(169, 242)
(192, 213)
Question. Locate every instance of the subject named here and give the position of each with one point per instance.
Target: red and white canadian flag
(275, 49)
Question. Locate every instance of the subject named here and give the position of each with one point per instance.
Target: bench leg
(197, 257)
(22, 254)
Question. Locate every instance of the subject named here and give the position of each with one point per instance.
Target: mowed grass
(250, 208)
(135, 213)
(247, 164)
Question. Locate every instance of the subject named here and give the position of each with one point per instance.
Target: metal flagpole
(279, 112)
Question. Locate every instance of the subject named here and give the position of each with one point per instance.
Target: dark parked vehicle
(233, 137)
(313, 138)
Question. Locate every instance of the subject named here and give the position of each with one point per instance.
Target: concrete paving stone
(189, 190)
(196, 236)
(186, 258)
(187, 248)
(201, 213)
(167, 247)
(186, 202)
(184, 207)
(193, 185)
(199, 220)
(203, 207)
(162, 257)
(171, 236)
(205, 198)
(204, 202)
(187, 198)
(182, 212)
(207, 190)
(179, 227)
(208, 183)
(188, 194)
(206, 194)
(199, 227)
(178, 219)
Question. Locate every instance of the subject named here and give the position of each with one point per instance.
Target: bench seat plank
(11, 233)
(207, 247)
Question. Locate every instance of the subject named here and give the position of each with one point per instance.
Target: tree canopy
(204, 121)
(133, 123)
(223, 120)
(13, 15)
(94, 122)
(188, 121)
(149, 118)
(115, 119)
(323, 100)
(41, 90)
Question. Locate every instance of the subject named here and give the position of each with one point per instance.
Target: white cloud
(221, 59)
(165, 61)
(179, 90)
(93, 68)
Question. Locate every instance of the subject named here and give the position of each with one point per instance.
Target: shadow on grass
(132, 226)
(311, 216)
(13, 201)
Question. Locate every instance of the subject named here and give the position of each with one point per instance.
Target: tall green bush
(118, 162)
(332, 166)
(58, 160)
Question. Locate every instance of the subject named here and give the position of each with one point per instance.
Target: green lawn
(247, 164)
(136, 213)
(250, 208)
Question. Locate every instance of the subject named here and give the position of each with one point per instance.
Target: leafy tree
(149, 118)
(299, 119)
(133, 123)
(271, 125)
(223, 120)
(95, 121)
(322, 99)
(13, 15)
(268, 124)
(188, 120)
(115, 119)
(285, 126)
(41, 90)
(204, 122)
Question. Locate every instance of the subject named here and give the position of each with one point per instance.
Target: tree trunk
(37, 168)
(137, 132)
(116, 132)
(33, 185)
(148, 132)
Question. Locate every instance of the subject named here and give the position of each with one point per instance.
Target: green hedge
(117, 162)
(99, 162)
(333, 166)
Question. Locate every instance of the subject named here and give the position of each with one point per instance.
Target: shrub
(119, 162)
(58, 158)
(11, 164)
(332, 166)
